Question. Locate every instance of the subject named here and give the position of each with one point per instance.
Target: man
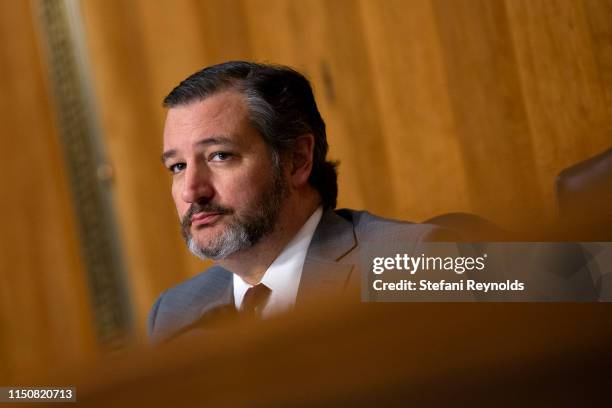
(246, 147)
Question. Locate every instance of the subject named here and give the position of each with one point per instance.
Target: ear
(301, 160)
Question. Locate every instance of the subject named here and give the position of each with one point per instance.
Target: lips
(203, 218)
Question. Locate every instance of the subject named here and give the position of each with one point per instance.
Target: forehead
(224, 113)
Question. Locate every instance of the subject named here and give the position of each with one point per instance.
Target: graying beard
(234, 240)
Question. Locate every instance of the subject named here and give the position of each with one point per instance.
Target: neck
(252, 263)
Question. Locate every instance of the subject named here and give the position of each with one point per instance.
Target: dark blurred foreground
(377, 354)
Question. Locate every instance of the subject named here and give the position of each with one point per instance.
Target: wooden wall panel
(432, 106)
(415, 108)
(224, 30)
(354, 93)
(45, 319)
(564, 94)
(492, 126)
(599, 15)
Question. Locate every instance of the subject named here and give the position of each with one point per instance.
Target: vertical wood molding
(88, 172)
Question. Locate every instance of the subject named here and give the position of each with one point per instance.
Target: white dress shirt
(283, 275)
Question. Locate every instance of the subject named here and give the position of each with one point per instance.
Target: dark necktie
(255, 299)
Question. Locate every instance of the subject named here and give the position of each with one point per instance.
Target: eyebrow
(213, 140)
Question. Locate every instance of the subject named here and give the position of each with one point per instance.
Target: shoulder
(182, 304)
(370, 227)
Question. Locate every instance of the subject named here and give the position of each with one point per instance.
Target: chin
(204, 236)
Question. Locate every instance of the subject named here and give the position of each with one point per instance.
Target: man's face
(227, 190)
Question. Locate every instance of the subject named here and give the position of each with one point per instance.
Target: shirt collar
(283, 275)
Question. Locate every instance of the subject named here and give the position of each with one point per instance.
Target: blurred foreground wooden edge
(345, 354)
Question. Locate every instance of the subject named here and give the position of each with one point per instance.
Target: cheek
(245, 188)
(235, 190)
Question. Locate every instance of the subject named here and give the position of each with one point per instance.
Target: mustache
(197, 208)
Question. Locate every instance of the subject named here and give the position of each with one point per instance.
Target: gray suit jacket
(340, 249)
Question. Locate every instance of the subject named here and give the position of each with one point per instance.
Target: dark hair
(281, 105)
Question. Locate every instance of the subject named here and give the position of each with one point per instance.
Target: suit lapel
(324, 273)
(219, 290)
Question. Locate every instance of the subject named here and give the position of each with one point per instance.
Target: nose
(197, 184)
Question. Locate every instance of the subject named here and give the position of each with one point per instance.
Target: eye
(220, 156)
(176, 168)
